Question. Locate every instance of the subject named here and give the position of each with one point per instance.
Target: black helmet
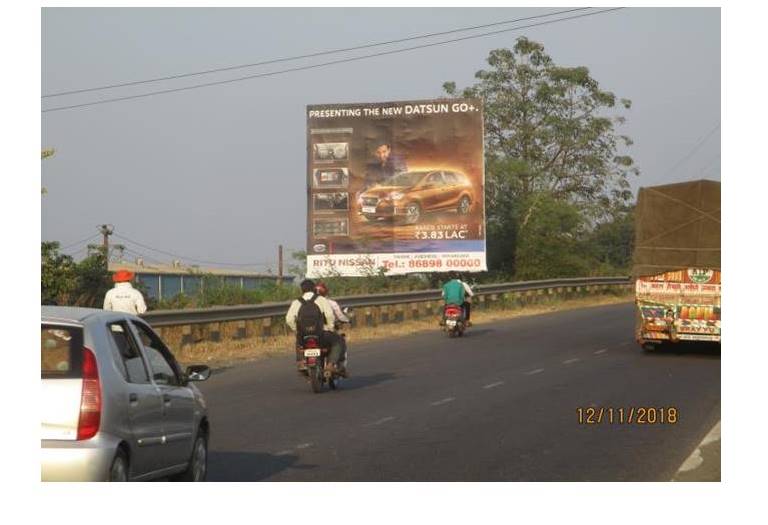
(307, 285)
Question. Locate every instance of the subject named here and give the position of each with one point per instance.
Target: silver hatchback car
(116, 404)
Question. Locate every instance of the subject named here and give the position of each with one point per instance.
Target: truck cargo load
(677, 263)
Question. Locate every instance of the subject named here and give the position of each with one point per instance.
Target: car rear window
(60, 351)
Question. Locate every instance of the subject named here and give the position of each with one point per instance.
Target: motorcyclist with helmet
(312, 314)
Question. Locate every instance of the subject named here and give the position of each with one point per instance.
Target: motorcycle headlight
(396, 195)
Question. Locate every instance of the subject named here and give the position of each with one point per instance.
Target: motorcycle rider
(339, 318)
(467, 304)
(303, 313)
(456, 292)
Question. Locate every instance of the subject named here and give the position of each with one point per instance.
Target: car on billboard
(408, 196)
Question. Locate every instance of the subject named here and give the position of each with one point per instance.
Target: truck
(676, 263)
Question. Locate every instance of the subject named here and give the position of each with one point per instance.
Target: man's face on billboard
(382, 153)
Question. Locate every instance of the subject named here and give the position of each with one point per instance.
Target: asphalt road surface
(500, 404)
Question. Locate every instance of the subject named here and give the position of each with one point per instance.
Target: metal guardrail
(260, 311)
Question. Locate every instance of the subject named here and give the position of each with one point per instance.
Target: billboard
(397, 187)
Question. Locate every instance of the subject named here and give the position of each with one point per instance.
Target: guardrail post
(266, 327)
(251, 328)
(240, 332)
(414, 309)
(214, 332)
(186, 335)
(369, 317)
(384, 312)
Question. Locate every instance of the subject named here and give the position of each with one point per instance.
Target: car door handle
(133, 398)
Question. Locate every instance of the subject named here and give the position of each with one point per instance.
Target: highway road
(500, 404)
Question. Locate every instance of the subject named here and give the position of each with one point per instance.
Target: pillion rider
(339, 318)
(459, 293)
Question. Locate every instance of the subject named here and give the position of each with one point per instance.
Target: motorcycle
(455, 324)
(315, 365)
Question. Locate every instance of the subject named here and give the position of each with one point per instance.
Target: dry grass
(230, 352)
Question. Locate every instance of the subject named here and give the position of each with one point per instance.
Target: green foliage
(555, 169)
(68, 283)
(215, 292)
(549, 245)
(611, 243)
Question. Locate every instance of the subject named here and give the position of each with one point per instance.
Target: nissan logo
(319, 248)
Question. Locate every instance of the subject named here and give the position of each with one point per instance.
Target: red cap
(122, 276)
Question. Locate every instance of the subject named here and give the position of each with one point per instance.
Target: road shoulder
(704, 462)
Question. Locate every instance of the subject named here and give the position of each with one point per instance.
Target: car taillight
(310, 343)
(90, 399)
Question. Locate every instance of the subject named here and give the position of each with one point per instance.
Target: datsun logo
(700, 275)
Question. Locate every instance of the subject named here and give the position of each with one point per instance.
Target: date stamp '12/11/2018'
(627, 415)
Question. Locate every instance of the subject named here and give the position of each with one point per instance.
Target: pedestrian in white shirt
(124, 297)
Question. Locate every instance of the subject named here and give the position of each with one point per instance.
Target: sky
(217, 174)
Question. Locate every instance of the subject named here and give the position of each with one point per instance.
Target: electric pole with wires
(106, 230)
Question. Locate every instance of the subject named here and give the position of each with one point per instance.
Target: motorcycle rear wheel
(316, 379)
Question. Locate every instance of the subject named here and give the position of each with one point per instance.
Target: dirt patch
(230, 352)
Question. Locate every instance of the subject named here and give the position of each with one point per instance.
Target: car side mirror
(346, 310)
(198, 373)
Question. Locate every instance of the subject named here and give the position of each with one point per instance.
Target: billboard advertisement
(395, 187)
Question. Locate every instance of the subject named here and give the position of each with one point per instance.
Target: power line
(692, 151)
(715, 163)
(78, 242)
(324, 64)
(261, 263)
(309, 55)
(143, 256)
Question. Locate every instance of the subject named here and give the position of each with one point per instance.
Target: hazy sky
(218, 173)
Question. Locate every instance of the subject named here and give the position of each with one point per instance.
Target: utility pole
(280, 264)
(106, 230)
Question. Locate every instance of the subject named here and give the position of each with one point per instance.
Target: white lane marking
(532, 372)
(494, 385)
(569, 361)
(695, 460)
(303, 445)
(383, 420)
(284, 453)
(443, 401)
(601, 351)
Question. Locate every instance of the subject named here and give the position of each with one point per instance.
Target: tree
(611, 243)
(66, 282)
(550, 134)
(550, 244)
(57, 274)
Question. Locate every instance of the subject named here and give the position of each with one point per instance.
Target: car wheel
(197, 468)
(464, 205)
(412, 213)
(118, 471)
